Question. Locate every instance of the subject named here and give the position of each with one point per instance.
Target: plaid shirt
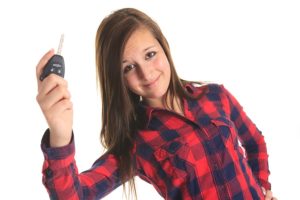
(214, 152)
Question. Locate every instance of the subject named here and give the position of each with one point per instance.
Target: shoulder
(206, 87)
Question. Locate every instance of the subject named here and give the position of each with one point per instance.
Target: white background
(251, 47)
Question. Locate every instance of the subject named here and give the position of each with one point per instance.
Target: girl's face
(145, 67)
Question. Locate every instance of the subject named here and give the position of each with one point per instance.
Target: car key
(56, 64)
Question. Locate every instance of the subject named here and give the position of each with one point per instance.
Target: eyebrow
(149, 48)
(143, 51)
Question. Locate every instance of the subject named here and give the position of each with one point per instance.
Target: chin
(156, 95)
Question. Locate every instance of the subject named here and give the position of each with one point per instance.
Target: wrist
(58, 140)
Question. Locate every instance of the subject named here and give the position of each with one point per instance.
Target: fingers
(41, 64)
(62, 106)
(52, 91)
(57, 94)
(268, 195)
(50, 82)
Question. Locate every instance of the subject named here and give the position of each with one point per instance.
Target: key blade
(60, 44)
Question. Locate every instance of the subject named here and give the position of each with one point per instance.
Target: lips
(150, 84)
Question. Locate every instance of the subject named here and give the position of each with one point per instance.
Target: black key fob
(55, 65)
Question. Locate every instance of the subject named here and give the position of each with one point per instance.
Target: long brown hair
(119, 116)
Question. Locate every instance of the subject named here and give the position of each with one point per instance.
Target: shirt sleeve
(61, 177)
(251, 139)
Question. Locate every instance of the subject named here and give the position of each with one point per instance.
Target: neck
(159, 103)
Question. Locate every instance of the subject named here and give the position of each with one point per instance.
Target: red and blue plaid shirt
(213, 152)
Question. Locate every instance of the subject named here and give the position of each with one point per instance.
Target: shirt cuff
(56, 153)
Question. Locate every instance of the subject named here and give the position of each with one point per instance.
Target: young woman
(182, 137)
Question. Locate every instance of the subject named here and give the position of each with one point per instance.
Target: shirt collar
(145, 112)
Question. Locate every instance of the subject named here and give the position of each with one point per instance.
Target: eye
(128, 68)
(150, 55)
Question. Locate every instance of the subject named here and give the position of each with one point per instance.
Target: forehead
(139, 40)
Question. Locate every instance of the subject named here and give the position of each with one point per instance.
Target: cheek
(163, 65)
(131, 82)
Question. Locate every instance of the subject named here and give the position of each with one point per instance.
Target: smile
(152, 83)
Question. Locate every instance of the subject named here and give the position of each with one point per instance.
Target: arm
(62, 180)
(60, 174)
(251, 139)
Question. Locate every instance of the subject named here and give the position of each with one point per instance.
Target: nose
(146, 71)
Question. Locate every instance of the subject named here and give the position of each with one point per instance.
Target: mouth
(152, 83)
